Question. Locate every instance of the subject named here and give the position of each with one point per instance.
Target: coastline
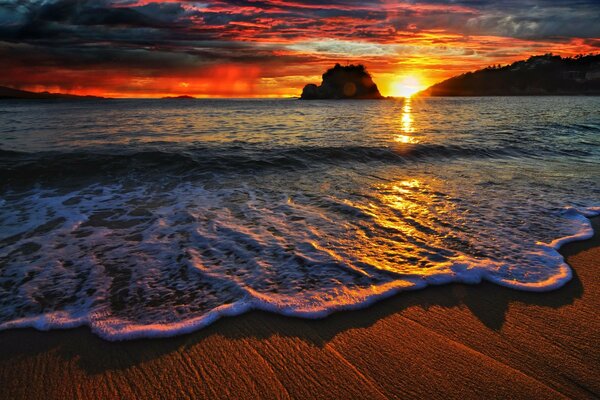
(447, 341)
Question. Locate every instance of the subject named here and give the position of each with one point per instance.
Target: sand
(453, 341)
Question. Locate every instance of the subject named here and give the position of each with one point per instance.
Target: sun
(406, 86)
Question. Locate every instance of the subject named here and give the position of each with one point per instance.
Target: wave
(116, 329)
(24, 167)
(179, 260)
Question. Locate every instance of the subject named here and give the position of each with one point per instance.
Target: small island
(543, 75)
(183, 97)
(343, 82)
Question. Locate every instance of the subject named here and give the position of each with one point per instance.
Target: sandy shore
(453, 341)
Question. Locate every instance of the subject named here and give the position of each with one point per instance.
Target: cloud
(44, 41)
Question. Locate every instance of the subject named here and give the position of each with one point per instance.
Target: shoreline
(454, 340)
(161, 331)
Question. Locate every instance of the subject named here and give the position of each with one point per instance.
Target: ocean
(151, 218)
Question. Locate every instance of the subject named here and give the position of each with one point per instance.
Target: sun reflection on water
(406, 124)
(404, 229)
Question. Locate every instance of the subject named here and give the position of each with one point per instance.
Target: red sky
(246, 48)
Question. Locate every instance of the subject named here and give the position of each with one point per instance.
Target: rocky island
(343, 82)
(537, 76)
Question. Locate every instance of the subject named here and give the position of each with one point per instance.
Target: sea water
(144, 218)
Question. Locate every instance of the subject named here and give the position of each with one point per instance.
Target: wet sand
(453, 341)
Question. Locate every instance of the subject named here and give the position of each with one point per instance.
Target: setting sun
(406, 86)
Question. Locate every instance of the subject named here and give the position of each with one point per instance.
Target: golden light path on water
(406, 229)
(406, 124)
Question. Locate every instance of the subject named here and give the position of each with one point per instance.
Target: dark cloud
(89, 20)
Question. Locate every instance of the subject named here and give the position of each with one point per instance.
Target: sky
(272, 48)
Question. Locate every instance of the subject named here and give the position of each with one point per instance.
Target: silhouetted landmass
(539, 75)
(178, 97)
(349, 82)
(10, 93)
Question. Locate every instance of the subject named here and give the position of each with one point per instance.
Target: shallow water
(155, 217)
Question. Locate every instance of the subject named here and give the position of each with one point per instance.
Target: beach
(450, 341)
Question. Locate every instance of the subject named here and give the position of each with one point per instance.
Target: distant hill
(184, 97)
(349, 82)
(10, 93)
(539, 75)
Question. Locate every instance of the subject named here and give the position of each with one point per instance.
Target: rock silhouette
(349, 82)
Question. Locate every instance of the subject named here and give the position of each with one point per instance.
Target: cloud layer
(271, 47)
